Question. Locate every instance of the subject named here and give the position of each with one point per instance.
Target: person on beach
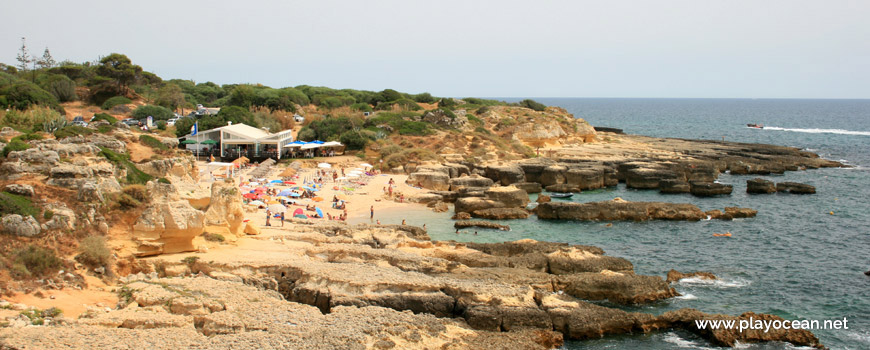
(372, 211)
(379, 221)
(424, 227)
(457, 231)
(403, 222)
(282, 219)
(268, 217)
(475, 233)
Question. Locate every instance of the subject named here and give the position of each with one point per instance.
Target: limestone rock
(17, 225)
(20, 189)
(795, 187)
(425, 198)
(483, 224)
(471, 204)
(675, 276)
(469, 181)
(563, 188)
(759, 185)
(251, 230)
(553, 174)
(430, 180)
(167, 223)
(709, 189)
(501, 213)
(225, 211)
(505, 174)
(620, 210)
(510, 196)
(529, 187)
(90, 192)
(621, 288)
(674, 186)
(585, 178)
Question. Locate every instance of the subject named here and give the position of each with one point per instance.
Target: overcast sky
(504, 48)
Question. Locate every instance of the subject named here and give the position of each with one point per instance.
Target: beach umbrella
(297, 211)
(289, 183)
(366, 165)
(317, 199)
(276, 182)
(294, 194)
(282, 198)
(250, 195)
(342, 178)
(324, 165)
(188, 142)
(209, 142)
(277, 208)
(260, 189)
(252, 184)
(352, 175)
(285, 193)
(257, 203)
(309, 188)
(301, 216)
(319, 212)
(288, 172)
(342, 197)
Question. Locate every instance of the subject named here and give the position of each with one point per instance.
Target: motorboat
(561, 195)
(755, 126)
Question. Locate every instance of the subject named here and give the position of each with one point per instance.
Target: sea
(802, 258)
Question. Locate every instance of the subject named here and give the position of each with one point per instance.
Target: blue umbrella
(293, 194)
(285, 193)
(319, 212)
(276, 181)
(309, 188)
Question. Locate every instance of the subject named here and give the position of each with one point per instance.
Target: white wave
(720, 283)
(861, 337)
(820, 131)
(687, 297)
(681, 343)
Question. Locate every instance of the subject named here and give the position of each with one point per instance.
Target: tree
(46, 61)
(157, 112)
(23, 57)
(237, 115)
(170, 96)
(119, 68)
(242, 96)
(391, 95)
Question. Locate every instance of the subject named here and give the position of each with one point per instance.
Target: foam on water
(682, 343)
(720, 283)
(687, 296)
(820, 131)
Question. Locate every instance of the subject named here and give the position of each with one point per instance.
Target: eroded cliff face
(225, 214)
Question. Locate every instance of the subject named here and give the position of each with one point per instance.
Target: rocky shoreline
(288, 284)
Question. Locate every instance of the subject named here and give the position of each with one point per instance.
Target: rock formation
(795, 187)
(759, 185)
(225, 213)
(675, 276)
(168, 224)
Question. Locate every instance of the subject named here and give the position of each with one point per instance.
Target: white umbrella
(324, 165)
(257, 203)
(352, 175)
(367, 165)
(342, 178)
(277, 208)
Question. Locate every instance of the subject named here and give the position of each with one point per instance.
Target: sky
(479, 48)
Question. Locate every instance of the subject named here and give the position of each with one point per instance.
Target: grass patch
(134, 175)
(37, 317)
(72, 130)
(114, 101)
(152, 142)
(104, 116)
(16, 204)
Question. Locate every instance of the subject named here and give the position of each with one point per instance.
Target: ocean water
(794, 259)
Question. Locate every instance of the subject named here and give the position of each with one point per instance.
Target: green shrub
(37, 317)
(127, 202)
(29, 137)
(114, 101)
(482, 110)
(214, 237)
(93, 251)
(164, 180)
(156, 112)
(29, 120)
(447, 102)
(37, 260)
(55, 124)
(134, 175)
(532, 104)
(413, 128)
(16, 204)
(72, 130)
(353, 140)
(47, 215)
(104, 116)
(21, 94)
(105, 129)
(408, 104)
(190, 260)
(138, 192)
(361, 107)
(152, 142)
(388, 150)
(424, 98)
(14, 145)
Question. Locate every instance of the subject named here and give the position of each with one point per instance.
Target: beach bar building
(236, 140)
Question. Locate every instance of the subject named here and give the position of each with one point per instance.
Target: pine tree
(46, 61)
(23, 57)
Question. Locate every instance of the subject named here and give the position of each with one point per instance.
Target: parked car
(130, 122)
(79, 121)
(171, 121)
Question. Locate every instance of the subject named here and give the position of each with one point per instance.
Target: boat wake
(720, 283)
(687, 296)
(820, 131)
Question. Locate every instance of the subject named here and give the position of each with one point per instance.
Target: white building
(236, 140)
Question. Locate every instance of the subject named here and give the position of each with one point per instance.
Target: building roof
(246, 131)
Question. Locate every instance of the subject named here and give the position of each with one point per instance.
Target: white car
(171, 121)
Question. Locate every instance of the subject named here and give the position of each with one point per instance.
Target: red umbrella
(289, 183)
(260, 189)
(250, 195)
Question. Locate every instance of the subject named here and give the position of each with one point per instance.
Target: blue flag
(194, 128)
